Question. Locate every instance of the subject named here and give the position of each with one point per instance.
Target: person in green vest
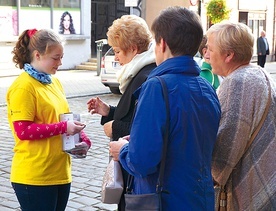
(206, 69)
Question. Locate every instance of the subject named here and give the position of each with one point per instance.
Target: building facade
(91, 20)
(258, 15)
(19, 15)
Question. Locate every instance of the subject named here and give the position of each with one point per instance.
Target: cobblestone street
(87, 173)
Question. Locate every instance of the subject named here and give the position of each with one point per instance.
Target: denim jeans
(42, 198)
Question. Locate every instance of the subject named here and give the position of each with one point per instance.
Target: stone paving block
(108, 207)
(74, 205)
(86, 200)
(70, 209)
(90, 194)
(87, 173)
(13, 205)
(9, 209)
(72, 195)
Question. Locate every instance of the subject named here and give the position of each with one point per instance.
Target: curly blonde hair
(129, 31)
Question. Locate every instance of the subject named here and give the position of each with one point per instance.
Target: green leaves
(217, 11)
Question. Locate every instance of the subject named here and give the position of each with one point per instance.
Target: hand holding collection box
(71, 143)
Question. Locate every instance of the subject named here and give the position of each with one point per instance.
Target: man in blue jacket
(194, 119)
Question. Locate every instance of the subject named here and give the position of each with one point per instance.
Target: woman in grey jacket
(249, 174)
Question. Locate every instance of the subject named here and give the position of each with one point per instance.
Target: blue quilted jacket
(194, 121)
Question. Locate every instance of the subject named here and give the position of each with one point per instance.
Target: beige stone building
(152, 8)
(258, 15)
(93, 17)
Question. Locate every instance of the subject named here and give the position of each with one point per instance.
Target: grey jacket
(250, 176)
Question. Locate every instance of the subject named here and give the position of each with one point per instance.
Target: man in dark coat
(262, 49)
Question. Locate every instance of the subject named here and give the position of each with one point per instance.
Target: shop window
(256, 22)
(7, 3)
(8, 18)
(66, 16)
(34, 14)
(243, 17)
(35, 3)
(58, 15)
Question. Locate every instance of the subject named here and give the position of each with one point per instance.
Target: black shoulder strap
(159, 185)
(166, 137)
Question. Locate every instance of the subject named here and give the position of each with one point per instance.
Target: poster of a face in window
(65, 20)
(68, 21)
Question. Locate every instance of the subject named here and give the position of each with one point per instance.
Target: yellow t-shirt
(38, 162)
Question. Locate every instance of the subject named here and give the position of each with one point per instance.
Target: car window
(110, 52)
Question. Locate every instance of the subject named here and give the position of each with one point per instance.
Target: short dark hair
(180, 28)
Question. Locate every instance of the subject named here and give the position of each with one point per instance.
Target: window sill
(75, 37)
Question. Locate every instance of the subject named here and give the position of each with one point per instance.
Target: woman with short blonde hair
(234, 37)
(247, 169)
(130, 38)
(129, 30)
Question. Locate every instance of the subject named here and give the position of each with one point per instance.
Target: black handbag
(151, 201)
(142, 202)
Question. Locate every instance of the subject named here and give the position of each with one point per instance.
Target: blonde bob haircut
(233, 37)
(129, 31)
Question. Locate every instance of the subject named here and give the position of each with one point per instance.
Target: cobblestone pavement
(87, 173)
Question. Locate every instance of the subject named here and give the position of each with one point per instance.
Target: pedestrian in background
(262, 49)
(246, 169)
(206, 69)
(40, 171)
(131, 40)
(194, 119)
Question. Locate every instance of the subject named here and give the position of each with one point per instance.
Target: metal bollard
(100, 44)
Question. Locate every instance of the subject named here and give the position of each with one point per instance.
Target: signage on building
(131, 3)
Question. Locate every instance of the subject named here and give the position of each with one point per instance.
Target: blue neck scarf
(41, 77)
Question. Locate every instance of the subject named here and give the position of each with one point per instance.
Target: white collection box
(69, 141)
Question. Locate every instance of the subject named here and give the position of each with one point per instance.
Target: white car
(109, 67)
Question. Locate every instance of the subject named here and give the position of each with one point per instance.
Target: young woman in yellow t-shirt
(40, 171)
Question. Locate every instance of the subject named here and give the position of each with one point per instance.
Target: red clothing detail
(84, 138)
(27, 130)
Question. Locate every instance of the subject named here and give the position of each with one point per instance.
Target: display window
(67, 20)
(63, 16)
(8, 18)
